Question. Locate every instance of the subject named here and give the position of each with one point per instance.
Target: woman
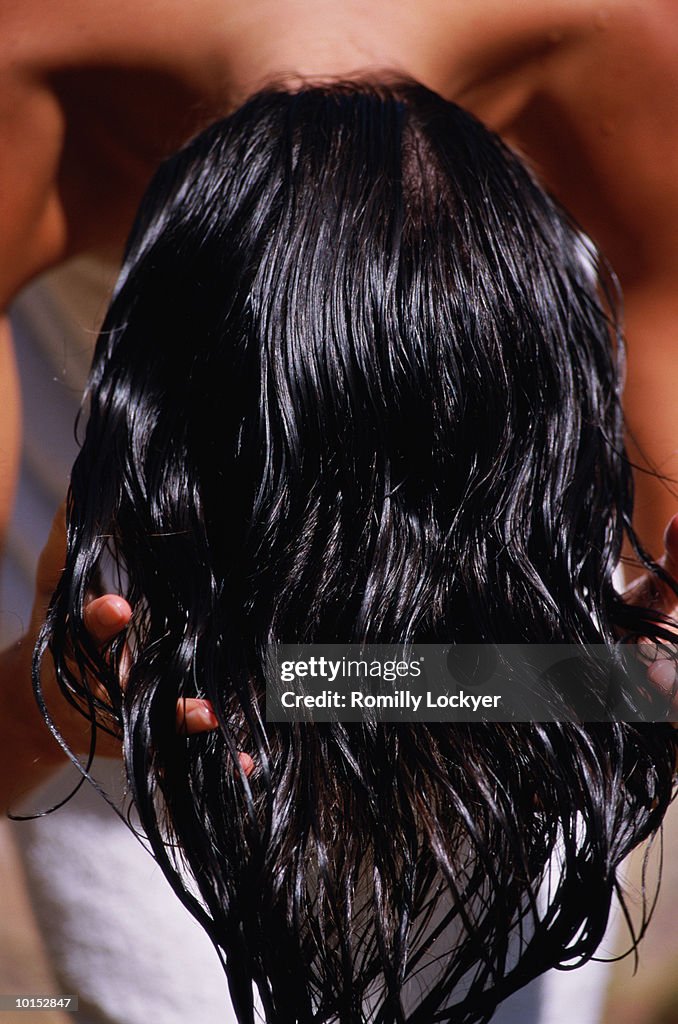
(358, 383)
(551, 67)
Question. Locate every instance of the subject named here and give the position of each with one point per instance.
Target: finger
(106, 616)
(670, 559)
(195, 715)
(662, 673)
(246, 762)
(652, 592)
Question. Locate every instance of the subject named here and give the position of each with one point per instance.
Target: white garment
(117, 935)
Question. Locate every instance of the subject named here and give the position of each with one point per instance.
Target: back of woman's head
(359, 382)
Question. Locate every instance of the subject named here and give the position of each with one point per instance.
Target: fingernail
(663, 674)
(246, 762)
(201, 716)
(112, 613)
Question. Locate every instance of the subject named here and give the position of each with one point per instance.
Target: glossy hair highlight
(360, 382)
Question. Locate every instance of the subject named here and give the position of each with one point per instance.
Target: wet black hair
(360, 381)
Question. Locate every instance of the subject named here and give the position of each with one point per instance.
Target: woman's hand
(651, 592)
(29, 752)
(105, 617)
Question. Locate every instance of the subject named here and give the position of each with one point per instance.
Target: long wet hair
(359, 381)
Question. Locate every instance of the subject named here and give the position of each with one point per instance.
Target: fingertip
(196, 715)
(105, 616)
(662, 673)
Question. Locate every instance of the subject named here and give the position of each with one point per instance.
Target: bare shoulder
(92, 96)
(602, 126)
(45, 35)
